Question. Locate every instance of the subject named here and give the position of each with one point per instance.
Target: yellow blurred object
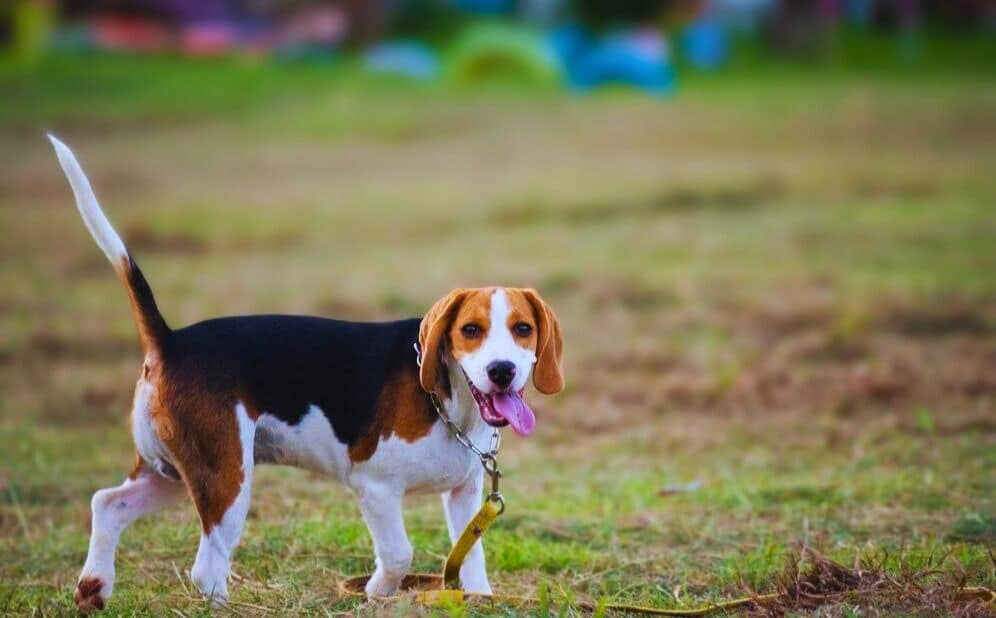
(33, 22)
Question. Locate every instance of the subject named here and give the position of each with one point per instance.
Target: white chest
(433, 464)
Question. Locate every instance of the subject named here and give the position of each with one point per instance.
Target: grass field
(780, 287)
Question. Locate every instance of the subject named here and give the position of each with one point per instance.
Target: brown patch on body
(402, 409)
(197, 424)
(201, 432)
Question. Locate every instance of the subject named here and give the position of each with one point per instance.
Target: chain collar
(488, 458)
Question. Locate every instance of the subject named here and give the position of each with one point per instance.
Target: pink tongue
(513, 409)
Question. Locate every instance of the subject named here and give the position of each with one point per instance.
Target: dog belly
(310, 444)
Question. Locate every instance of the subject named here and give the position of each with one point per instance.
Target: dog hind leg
(221, 492)
(114, 509)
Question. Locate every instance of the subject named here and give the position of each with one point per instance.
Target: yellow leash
(489, 512)
(433, 590)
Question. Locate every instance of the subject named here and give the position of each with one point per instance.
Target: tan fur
(138, 468)
(434, 327)
(198, 426)
(402, 409)
(150, 324)
(521, 310)
(548, 377)
(475, 309)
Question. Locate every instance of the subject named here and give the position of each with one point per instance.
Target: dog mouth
(501, 408)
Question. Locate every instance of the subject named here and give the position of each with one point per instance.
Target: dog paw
(380, 586)
(87, 595)
(212, 584)
(478, 588)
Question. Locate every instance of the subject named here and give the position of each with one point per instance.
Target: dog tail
(152, 328)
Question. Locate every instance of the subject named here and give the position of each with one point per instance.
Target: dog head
(498, 337)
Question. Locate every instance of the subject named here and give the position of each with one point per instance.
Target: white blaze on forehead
(498, 345)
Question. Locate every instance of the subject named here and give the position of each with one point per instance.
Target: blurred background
(767, 226)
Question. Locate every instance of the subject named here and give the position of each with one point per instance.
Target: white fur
(113, 510)
(461, 504)
(143, 430)
(437, 463)
(310, 444)
(100, 228)
(498, 345)
(214, 555)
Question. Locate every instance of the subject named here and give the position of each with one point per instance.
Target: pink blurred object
(325, 26)
(208, 39)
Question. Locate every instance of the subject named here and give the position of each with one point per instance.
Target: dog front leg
(461, 504)
(381, 506)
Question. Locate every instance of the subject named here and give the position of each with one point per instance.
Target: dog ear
(548, 378)
(431, 332)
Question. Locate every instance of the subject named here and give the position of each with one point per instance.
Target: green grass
(777, 283)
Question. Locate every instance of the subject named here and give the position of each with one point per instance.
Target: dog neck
(461, 408)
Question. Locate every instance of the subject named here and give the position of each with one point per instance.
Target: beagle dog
(347, 399)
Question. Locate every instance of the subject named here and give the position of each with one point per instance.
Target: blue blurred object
(410, 59)
(860, 12)
(706, 44)
(570, 42)
(636, 58)
(485, 7)
(740, 16)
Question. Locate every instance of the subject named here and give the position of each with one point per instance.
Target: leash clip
(490, 465)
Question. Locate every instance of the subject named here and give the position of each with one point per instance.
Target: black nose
(501, 373)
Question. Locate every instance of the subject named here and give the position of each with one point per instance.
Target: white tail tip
(100, 228)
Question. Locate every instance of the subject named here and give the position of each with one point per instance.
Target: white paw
(213, 585)
(477, 587)
(382, 585)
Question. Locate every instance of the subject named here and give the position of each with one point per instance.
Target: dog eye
(522, 329)
(471, 331)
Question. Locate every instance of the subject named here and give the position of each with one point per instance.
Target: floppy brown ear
(548, 378)
(430, 337)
